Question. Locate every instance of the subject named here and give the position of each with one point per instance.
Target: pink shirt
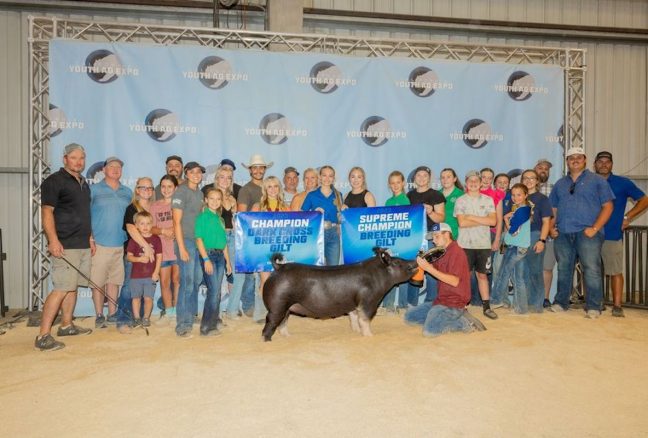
(162, 219)
(496, 195)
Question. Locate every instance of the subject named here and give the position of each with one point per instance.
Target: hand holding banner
(401, 229)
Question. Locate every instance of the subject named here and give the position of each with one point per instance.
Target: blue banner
(143, 103)
(299, 236)
(400, 229)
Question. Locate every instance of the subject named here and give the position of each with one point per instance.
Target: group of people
(122, 242)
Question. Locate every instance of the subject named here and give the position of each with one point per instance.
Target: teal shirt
(401, 199)
(211, 229)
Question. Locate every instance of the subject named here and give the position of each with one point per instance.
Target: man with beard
(65, 197)
(582, 205)
(543, 169)
(612, 252)
(173, 167)
(249, 195)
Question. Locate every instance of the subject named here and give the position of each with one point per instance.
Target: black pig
(331, 291)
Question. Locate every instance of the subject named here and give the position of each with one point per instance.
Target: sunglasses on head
(572, 188)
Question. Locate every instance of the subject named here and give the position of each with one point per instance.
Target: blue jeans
(247, 294)
(234, 302)
(124, 305)
(332, 246)
(191, 275)
(568, 246)
(213, 281)
(390, 298)
(536, 278)
(514, 268)
(438, 319)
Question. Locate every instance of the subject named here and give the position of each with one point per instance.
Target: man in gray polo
(65, 210)
(543, 170)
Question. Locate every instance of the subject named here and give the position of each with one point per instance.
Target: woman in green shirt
(451, 189)
(211, 241)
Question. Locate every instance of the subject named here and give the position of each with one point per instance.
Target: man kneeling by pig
(447, 313)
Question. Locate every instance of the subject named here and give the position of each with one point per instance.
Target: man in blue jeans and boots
(582, 205)
(249, 195)
(447, 313)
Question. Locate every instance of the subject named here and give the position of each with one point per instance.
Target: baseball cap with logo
(192, 165)
(574, 151)
(603, 154)
(424, 169)
(112, 160)
(472, 173)
(544, 161)
(290, 169)
(72, 147)
(228, 162)
(439, 228)
(173, 157)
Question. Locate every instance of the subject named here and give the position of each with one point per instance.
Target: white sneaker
(593, 314)
(556, 308)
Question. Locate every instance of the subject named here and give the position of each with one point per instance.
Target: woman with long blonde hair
(271, 201)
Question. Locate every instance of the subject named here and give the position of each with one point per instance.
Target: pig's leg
(364, 322)
(353, 318)
(273, 319)
(283, 327)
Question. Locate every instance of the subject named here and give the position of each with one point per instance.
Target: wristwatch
(542, 240)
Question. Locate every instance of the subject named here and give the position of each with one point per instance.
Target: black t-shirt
(70, 199)
(430, 197)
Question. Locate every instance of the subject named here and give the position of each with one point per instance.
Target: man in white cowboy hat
(250, 194)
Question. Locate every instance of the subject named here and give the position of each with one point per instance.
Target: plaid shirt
(545, 188)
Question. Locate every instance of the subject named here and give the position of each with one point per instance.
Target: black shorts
(479, 260)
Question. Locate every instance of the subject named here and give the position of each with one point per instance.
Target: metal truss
(42, 30)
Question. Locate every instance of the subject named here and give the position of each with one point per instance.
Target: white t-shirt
(474, 237)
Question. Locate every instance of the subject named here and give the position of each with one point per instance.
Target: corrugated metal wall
(616, 90)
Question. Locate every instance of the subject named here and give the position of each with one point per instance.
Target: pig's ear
(384, 256)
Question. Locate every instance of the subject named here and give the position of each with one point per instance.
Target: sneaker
(170, 313)
(593, 314)
(213, 332)
(47, 343)
(72, 330)
(546, 303)
(112, 319)
(618, 312)
(186, 334)
(146, 322)
(488, 313)
(474, 322)
(556, 308)
(496, 305)
(137, 323)
(100, 322)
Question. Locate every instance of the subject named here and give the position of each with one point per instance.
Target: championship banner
(400, 229)
(298, 236)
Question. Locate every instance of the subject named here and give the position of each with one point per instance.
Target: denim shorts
(142, 287)
(168, 263)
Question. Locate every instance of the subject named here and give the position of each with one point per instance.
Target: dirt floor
(539, 376)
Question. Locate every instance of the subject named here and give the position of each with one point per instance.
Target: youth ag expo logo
(103, 66)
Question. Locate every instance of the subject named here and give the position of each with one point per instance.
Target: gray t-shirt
(249, 195)
(474, 237)
(191, 204)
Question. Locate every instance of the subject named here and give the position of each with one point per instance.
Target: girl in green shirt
(211, 242)
(452, 189)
